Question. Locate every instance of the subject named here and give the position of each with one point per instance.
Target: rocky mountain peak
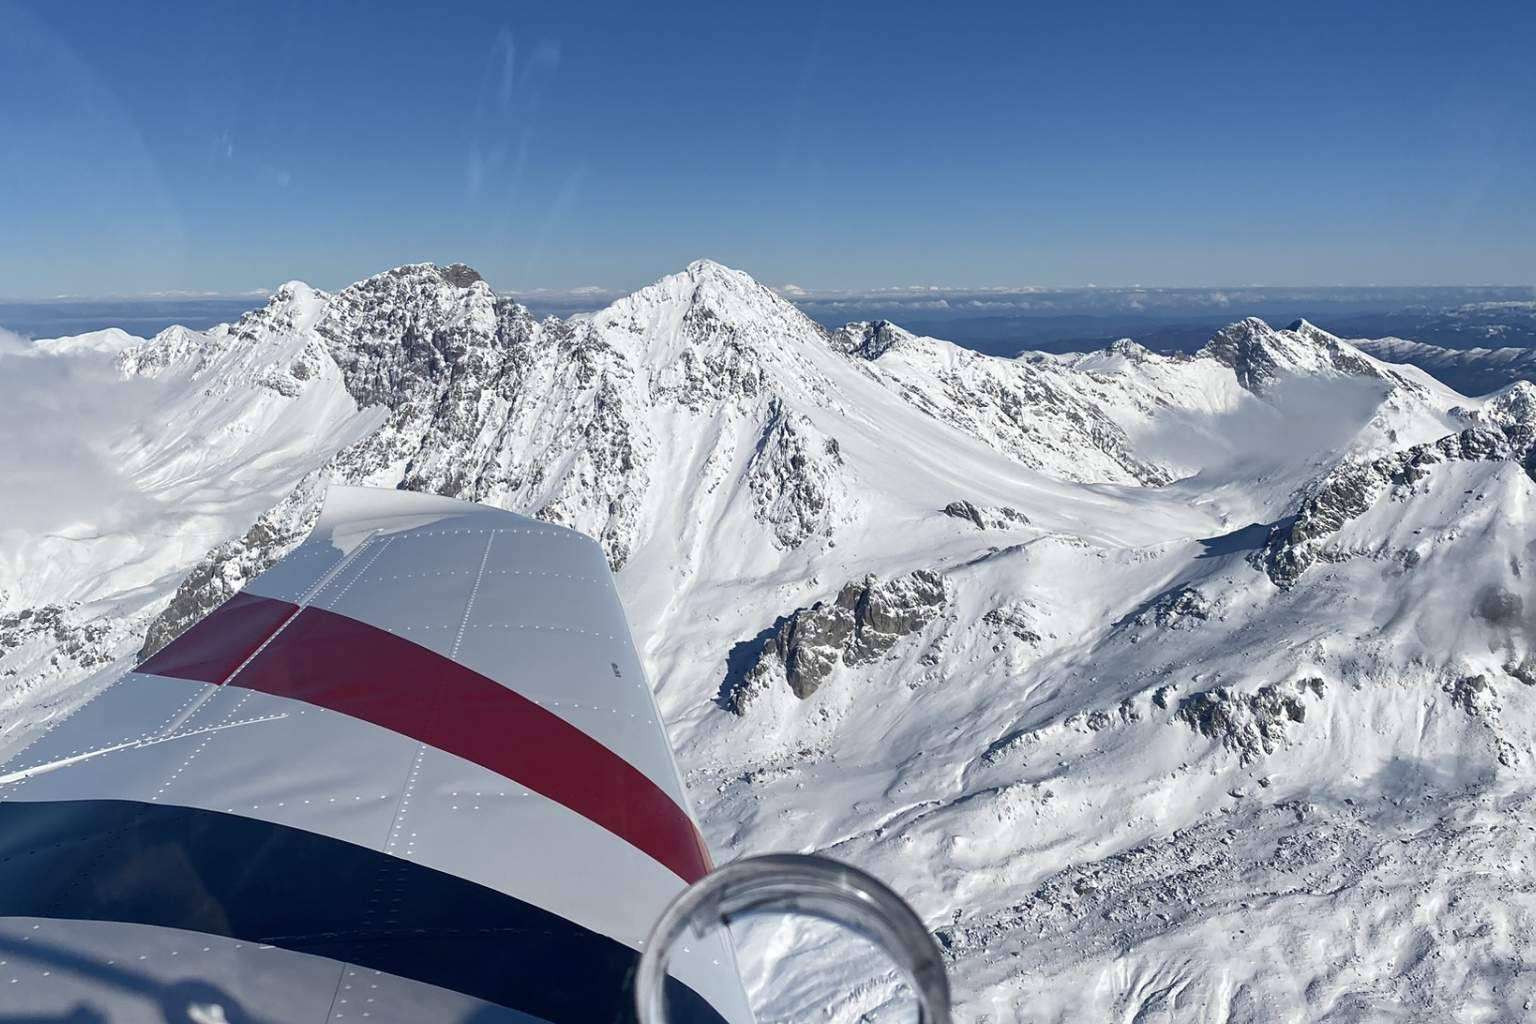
(726, 290)
(454, 275)
(403, 335)
(413, 294)
(704, 300)
(707, 268)
(293, 307)
(1248, 326)
(461, 276)
(1305, 330)
(1131, 350)
(1238, 337)
(291, 291)
(705, 282)
(1259, 355)
(1246, 346)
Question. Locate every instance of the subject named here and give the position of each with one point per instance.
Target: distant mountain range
(998, 321)
(1474, 371)
(1194, 686)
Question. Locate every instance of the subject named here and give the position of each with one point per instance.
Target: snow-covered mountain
(1474, 371)
(1187, 688)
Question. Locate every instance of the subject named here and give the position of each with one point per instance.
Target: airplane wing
(413, 773)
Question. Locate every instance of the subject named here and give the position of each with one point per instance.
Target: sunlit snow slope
(1167, 688)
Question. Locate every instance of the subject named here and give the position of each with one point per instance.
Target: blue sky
(224, 147)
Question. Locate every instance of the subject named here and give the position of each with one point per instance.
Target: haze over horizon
(832, 147)
(999, 321)
(595, 294)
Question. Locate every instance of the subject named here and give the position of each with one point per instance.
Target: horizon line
(790, 292)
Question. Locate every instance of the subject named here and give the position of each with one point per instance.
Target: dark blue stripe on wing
(251, 880)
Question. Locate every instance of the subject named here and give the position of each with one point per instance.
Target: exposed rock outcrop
(224, 571)
(1179, 608)
(1014, 619)
(1474, 695)
(1001, 517)
(866, 619)
(869, 339)
(1523, 670)
(1129, 349)
(1261, 356)
(796, 479)
(1353, 488)
(81, 645)
(1249, 724)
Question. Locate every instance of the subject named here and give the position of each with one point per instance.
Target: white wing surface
(413, 773)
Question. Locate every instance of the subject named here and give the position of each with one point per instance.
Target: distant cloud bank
(942, 302)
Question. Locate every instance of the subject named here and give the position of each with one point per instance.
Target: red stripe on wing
(216, 645)
(336, 662)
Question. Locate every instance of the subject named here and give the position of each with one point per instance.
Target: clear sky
(231, 146)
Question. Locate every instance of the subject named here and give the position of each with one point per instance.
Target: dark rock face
(813, 643)
(1242, 347)
(1180, 608)
(1350, 491)
(867, 618)
(869, 340)
(1259, 355)
(1129, 349)
(965, 510)
(461, 276)
(886, 612)
(1184, 605)
(1014, 620)
(1099, 719)
(80, 644)
(1512, 410)
(794, 478)
(1344, 358)
(1523, 670)
(466, 379)
(1250, 724)
(1474, 695)
(1030, 412)
(1002, 517)
(226, 569)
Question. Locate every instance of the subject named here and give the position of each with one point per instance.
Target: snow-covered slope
(1187, 688)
